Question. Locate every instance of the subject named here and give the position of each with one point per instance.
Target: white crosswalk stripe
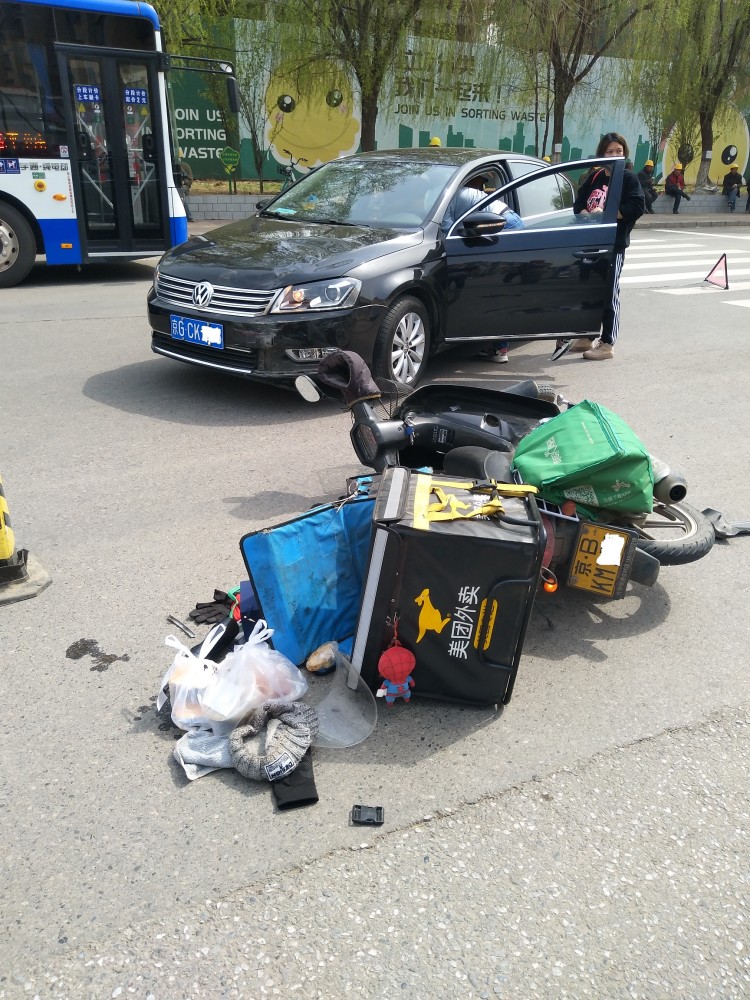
(677, 262)
(736, 286)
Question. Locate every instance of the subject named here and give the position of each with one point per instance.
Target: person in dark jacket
(674, 186)
(646, 180)
(590, 201)
(732, 186)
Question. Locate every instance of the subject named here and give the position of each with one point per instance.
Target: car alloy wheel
(403, 342)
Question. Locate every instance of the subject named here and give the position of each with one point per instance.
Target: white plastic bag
(187, 678)
(249, 675)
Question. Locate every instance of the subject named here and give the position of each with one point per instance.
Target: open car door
(540, 281)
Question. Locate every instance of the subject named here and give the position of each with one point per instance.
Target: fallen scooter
(473, 433)
(425, 572)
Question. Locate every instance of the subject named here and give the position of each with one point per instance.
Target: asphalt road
(589, 841)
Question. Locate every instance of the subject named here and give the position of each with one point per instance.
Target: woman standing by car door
(590, 201)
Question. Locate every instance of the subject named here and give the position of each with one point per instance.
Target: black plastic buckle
(368, 815)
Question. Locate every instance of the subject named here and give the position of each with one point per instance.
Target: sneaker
(500, 357)
(602, 352)
(686, 197)
(583, 345)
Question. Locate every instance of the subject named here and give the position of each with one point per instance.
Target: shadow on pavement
(571, 624)
(124, 273)
(177, 393)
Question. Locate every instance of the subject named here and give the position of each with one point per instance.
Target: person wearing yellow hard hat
(732, 185)
(434, 141)
(674, 186)
(646, 178)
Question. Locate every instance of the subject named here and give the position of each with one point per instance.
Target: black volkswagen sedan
(392, 254)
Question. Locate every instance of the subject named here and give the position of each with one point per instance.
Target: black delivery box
(460, 588)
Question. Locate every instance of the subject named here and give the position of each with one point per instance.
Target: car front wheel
(403, 342)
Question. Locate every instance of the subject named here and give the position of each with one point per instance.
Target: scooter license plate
(602, 559)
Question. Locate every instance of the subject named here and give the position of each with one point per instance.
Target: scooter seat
(473, 462)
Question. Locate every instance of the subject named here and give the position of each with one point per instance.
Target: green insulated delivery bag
(589, 455)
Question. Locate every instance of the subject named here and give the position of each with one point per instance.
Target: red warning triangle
(718, 274)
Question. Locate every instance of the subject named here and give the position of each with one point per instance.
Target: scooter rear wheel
(675, 534)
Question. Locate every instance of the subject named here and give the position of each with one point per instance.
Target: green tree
(572, 36)
(652, 101)
(370, 37)
(259, 45)
(716, 47)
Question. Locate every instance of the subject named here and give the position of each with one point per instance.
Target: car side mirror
(262, 203)
(482, 224)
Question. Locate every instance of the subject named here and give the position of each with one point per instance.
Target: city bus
(86, 154)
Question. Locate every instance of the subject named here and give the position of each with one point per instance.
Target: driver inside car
(475, 189)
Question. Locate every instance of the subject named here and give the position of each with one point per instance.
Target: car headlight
(339, 293)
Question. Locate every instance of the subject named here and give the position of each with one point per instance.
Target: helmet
(678, 166)
(434, 141)
(648, 163)
(547, 159)
(734, 167)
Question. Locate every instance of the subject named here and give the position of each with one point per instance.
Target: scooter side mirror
(307, 389)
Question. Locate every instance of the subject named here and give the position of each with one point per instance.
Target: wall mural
(321, 122)
(314, 126)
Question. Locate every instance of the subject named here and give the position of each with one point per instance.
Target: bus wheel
(17, 246)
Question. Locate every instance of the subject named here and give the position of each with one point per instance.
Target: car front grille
(224, 301)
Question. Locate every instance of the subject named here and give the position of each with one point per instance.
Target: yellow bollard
(7, 539)
(21, 575)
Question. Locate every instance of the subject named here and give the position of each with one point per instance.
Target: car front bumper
(257, 347)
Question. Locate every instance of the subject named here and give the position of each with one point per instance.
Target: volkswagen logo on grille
(202, 294)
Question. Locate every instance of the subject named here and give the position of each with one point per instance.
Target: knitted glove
(285, 743)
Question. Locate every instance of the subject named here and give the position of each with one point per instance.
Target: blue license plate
(197, 331)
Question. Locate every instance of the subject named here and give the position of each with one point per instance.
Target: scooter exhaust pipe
(669, 487)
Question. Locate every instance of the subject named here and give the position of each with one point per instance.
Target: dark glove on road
(211, 612)
(297, 788)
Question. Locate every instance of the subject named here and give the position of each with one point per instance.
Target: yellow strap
(446, 508)
(449, 508)
(507, 489)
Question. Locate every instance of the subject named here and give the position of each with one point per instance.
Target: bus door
(112, 106)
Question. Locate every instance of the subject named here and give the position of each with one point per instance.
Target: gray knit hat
(274, 740)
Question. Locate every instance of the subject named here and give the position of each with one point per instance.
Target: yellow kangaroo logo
(430, 619)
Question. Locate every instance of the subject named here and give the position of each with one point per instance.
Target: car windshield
(366, 193)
